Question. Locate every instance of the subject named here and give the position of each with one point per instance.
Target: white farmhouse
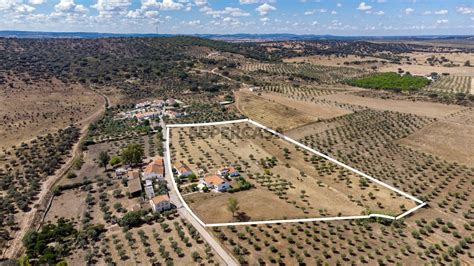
(160, 203)
(215, 183)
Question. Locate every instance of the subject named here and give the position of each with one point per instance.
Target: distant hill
(230, 37)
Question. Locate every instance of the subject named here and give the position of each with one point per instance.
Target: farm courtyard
(293, 181)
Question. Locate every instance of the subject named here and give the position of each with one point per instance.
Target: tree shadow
(242, 217)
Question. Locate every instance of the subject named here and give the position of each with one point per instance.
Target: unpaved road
(183, 212)
(29, 219)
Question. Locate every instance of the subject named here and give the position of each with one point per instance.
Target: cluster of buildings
(153, 109)
(216, 182)
(143, 182)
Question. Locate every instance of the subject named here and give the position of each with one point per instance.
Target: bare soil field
(309, 108)
(435, 110)
(271, 113)
(449, 140)
(334, 60)
(426, 69)
(417, 64)
(29, 110)
(71, 205)
(422, 66)
(296, 185)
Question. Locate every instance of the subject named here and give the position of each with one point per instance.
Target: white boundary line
(185, 205)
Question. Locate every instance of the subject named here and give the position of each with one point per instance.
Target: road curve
(183, 212)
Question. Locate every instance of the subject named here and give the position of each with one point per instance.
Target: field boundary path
(34, 217)
(373, 215)
(183, 209)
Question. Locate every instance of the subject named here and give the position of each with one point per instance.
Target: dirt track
(30, 218)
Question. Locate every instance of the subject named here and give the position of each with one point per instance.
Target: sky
(344, 17)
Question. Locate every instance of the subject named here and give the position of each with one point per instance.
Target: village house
(142, 104)
(135, 187)
(160, 203)
(228, 171)
(155, 170)
(170, 101)
(147, 115)
(215, 183)
(158, 103)
(182, 169)
(133, 174)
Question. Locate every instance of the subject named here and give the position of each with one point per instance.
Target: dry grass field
(447, 139)
(270, 113)
(416, 62)
(29, 110)
(313, 109)
(368, 140)
(419, 64)
(435, 110)
(335, 60)
(296, 185)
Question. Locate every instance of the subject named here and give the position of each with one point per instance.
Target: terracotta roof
(158, 161)
(228, 169)
(160, 198)
(214, 180)
(154, 168)
(182, 168)
(132, 174)
(134, 185)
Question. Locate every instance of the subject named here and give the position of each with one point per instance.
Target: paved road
(183, 212)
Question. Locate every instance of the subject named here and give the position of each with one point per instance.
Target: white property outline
(338, 218)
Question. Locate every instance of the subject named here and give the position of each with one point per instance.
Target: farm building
(228, 171)
(182, 169)
(120, 172)
(215, 183)
(133, 174)
(154, 170)
(147, 115)
(170, 101)
(142, 104)
(149, 191)
(135, 187)
(157, 103)
(160, 203)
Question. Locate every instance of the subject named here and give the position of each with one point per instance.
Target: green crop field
(391, 81)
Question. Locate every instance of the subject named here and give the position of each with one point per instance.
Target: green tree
(104, 159)
(132, 154)
(233, 206)
(115, 161)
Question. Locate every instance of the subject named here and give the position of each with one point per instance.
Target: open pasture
(450, 139)
(273, 114)
(29, 110)
(309, 108)
(296, 183)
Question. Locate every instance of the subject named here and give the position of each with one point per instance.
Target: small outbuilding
(135, 187)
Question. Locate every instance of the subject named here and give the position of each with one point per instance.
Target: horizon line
(232, 34)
